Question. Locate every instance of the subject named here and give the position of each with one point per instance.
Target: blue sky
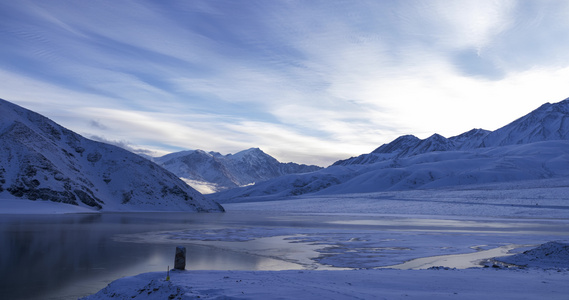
(306, 81)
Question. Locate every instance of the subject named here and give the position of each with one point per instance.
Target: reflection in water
(68, 256)
(44, 252)
(76, 255)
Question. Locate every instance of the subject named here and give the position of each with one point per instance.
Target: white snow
(432, 170)
(356, 284)
(549, 255)
(534, 147)
(523, 199)
(40, 160)
(212, 172)
(203, 187)
(19, 206)
(484, 205)
(468, 228)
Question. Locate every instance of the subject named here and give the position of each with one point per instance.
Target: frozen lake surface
(68, 256)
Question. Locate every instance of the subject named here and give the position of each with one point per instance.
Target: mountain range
(535, 146)
(42, 161)
(213, 172)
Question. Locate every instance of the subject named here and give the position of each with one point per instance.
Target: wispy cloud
(309, 81)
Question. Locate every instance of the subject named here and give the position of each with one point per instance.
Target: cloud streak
(307, 81)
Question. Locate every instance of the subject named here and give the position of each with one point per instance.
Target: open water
(74, 255)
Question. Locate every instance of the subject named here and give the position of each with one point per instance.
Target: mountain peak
(547, 122)
(536, 143)
(220, 172)
(252, 150)
(40, 160)
(435, 142)
(400, 144)
(470, 139)
(562, 106)
(436, 137)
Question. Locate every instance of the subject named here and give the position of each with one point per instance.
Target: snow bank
(356, 284)
(22, 206)
(549, 255)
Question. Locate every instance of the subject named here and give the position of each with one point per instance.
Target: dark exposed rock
(180, 258)
(40, 160)
(43, 194)
(89, 200)
(94, 157)
(126, 197)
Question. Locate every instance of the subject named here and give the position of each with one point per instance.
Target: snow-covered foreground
(355, 252)
(545, 276)
(355, 284)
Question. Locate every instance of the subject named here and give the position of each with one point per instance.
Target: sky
(306, 81)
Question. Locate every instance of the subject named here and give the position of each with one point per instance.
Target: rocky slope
(42, 161)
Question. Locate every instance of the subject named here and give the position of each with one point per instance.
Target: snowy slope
(535, 146)
(470, 139)
(198, 166)
(548, 122)
(228, 171)
(409, 145)
(454, 168)
(549, 159)
(42, 161)
(554, 255)
(398, 147)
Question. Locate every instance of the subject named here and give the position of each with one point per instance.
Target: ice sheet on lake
(364, 242)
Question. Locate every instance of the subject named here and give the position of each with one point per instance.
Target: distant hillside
(546, 123)
(213, 172)
(535, 146)
(42, 161)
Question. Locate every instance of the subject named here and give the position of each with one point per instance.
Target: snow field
(357, 284)
(525, 199)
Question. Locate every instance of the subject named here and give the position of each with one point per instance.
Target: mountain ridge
(221, 172)
(534, 146)
(554, 125)
(43, 161)
(523, 130)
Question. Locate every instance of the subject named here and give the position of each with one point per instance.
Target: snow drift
(549, 255)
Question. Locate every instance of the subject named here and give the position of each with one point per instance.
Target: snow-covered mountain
(548, 122)
(219, 172)
(42, 161)
(409, 145)
(470, 139)
(535, 146)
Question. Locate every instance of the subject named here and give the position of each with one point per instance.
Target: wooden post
(180, 259)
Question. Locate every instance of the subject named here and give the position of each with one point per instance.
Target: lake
(74, 255)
